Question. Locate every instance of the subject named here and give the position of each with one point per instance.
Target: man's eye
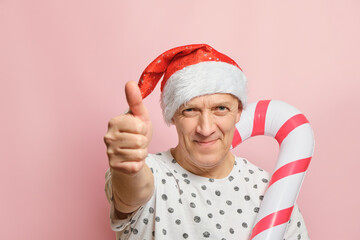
(221, 108)
(188, 110)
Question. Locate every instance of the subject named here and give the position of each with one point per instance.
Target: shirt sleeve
(296, 229)
(117, 224)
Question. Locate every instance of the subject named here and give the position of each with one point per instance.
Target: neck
(220, 170)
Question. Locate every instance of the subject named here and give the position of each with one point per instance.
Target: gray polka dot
(256, 209)
(244, 224)
(265, 180)
(185, 235)
(208, 202)
(261, 197)
(251, 171)
(228, 202)
(187, 181)
(217, 193)
(218, 226)
(151, 210)
(192, 205)
(298, 224)
(231, 230)
(206, 234)
(163, 181)
(170, 210)
(193, 195)
(246, 179)
(222, 212)
(255, 186)
(239, 210)
(197, 219)
(231, 178)
(210, 215)
(178, 221)
(169, 174)
(203, 187)
(180, 201)
(164, 197)
(173, 161)
(184, 175)
(298, 236)
(157, 219)
(164, 231)
(236, 188)
(247, 197)
(135, 231)
(211, 180)
(145, 221)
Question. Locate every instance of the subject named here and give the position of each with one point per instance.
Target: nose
(206, 124)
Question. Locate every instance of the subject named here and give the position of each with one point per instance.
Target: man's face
(205, 127)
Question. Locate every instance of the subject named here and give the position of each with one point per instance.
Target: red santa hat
(191, 71)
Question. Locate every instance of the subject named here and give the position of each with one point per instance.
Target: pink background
(63, 65)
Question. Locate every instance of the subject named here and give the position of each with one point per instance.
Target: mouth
(205, 143)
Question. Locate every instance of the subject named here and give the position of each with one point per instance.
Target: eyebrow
(222, 103)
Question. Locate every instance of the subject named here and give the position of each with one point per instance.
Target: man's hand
(129, 135)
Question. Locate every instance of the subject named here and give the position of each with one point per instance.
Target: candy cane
(294, 134)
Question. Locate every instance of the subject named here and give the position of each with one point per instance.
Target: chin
(207, 159)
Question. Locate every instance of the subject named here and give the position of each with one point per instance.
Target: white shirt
(187, 206)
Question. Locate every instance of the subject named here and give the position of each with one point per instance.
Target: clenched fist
(129, 135)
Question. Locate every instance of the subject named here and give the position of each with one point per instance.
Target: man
(199, 189)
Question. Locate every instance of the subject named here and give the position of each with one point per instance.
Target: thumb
(134, 100)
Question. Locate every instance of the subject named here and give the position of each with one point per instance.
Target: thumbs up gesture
(129, 135)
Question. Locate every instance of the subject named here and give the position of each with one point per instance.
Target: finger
(129, 141)
(134, 99)
(127, 123)
(127, 155)
(127, 167)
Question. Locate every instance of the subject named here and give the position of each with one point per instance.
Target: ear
(240, 108)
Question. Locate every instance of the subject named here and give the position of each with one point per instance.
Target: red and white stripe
(294, 134)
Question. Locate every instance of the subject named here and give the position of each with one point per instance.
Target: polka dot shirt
(187, 206)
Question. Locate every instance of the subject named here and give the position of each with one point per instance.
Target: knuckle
(136, 167)
(112, 122)
(114, 164)
(108, 138)
(116, 121)
(139, 141)
(110, 152)
(140, 127)
(142, 153)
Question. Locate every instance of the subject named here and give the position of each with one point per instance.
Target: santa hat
(190, 71)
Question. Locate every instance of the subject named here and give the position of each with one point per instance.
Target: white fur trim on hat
(201, 79)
